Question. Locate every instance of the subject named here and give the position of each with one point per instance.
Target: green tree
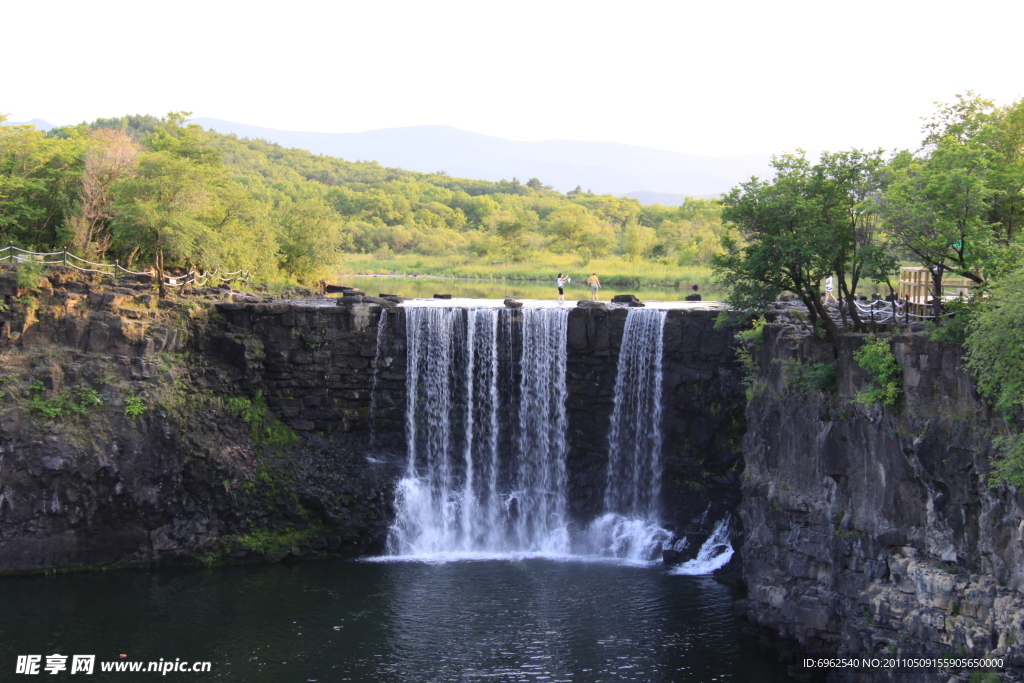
(311, 237)
(637, 240)
(998, 132)
(845, 186)
(936, 208)
(780, 241)
(512, 229)
(39, 178)
(995, 355)
(161, 210)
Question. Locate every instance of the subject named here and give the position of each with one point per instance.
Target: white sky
(719, 77)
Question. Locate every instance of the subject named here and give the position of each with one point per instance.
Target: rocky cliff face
(871, 529)
(129, 434)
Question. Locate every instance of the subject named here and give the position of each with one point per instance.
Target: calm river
(493, 620)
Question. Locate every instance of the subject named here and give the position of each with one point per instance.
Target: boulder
(592, 304)
(392, 297)
(442, 296)
(624, 299)
(512, 303)
(694, 297)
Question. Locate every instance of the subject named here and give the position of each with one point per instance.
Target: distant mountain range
(650, 175)
(38, 123)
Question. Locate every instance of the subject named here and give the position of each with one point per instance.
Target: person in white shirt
(562, 282)
(828, 290)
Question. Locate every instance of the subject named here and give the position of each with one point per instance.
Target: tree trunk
(937, 295)
(849, 300)
(812, 300)
(159, 258)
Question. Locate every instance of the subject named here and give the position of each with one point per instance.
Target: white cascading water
(381, 360)
(455, 496)
(714, 554)
(629, 527)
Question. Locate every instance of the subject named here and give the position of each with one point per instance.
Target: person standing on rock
(562, 282)
(595, 285)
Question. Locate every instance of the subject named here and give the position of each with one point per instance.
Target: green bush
(75, 402)
(810, 376)
(750, 340)
(954, 329)
(29, 275)
(134, 406)
(755, 333)
(877, 359)
(995, 355)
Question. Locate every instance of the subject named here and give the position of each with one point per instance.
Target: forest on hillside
(148, 190)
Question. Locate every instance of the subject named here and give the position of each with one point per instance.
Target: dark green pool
(493, 620)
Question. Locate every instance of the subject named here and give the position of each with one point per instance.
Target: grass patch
(264, 541)
(540, 266)
(809, 376)
(265, 428)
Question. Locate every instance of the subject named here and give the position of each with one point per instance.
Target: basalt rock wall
(702, 417)
(871, 529)
(130, 433)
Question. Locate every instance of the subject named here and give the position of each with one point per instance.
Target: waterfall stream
(472, 374)
(486, 429)
(629, 527)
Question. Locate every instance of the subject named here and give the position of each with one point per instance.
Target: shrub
(265, 428)
(29, 275)
(810, 376)
(877, 359)
(995, 355)
(954, 329)
(755, 333)
(77, 402)
(750, 340)
(134, 407)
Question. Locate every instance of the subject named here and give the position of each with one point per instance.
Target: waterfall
(634, 440)
(629, 527)
(459, 494)
(381, 361)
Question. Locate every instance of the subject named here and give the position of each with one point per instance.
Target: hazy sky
(715, 77)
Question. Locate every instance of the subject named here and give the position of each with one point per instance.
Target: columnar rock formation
(871, 529)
